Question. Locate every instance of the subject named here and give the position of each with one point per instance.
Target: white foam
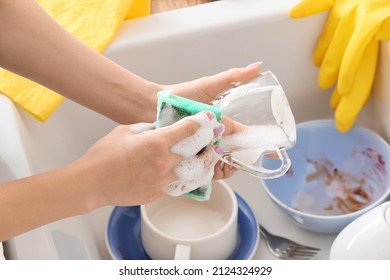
(195, 170)
(168, 116)
(202, 138)
(256, 136)
(181, 187)
(250, 144)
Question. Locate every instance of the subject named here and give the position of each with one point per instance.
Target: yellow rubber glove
(347, 50)
(349, 106)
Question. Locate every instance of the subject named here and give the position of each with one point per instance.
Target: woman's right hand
(128, 168)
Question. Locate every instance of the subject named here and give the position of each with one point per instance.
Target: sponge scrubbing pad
(172, 108)
(183, 107)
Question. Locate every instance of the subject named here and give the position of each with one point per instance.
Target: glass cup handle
(259, 171)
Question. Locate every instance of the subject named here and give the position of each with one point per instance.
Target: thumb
(191, 134)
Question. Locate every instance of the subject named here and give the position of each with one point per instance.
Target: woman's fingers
(194, 133)
(232, 127)
(225, 80)
(196, 167)
(193, 172)
(192, 154)
(223, 170)
(205, 89)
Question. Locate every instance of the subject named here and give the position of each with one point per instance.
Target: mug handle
(182, 252)
(259, 171)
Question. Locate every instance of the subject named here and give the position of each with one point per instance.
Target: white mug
(261, 105)
(184, 228)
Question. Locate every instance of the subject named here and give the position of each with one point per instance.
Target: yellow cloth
(347, 50)
(94, 22)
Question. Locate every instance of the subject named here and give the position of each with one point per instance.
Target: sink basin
(13, 159)
(168, 48)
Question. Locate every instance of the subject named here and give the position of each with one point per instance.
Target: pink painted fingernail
(257, 63)
(218, 130)
(219, 150)
(210, 115)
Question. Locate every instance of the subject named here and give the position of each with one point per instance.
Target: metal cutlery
(287, 249)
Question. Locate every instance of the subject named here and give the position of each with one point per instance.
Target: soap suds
(196, 169)
(263, 108)
(254, 137)
(254, 141)
(168, 115)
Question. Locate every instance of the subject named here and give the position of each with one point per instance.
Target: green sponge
(183, 107)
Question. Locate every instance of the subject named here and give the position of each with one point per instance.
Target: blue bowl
(334, 177)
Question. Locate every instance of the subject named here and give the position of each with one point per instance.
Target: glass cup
(268, 125)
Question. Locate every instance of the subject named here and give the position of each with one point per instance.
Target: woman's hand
(135, 168)
(207, 88)
(223, 170)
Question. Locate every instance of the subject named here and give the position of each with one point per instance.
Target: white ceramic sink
(175, 47)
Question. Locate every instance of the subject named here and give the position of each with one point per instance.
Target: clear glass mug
(269, 126)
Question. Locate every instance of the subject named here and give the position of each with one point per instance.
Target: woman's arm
(33, 45)
(123, 168)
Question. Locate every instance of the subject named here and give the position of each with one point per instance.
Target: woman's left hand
(207, 88)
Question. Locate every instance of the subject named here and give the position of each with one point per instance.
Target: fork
(287, 249)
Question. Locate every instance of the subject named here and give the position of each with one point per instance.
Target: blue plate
(124, 233)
